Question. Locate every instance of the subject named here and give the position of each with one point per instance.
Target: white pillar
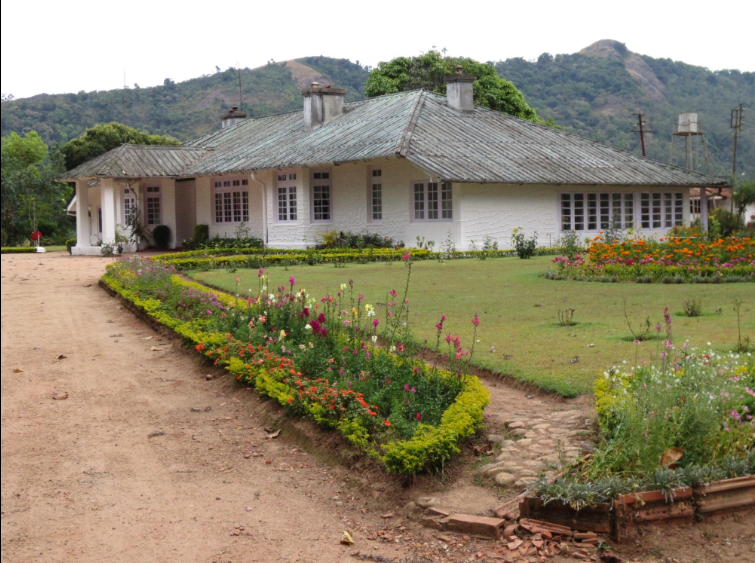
(704, 208)
(107, 202)
(82, 214)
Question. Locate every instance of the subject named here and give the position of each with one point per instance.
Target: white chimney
(459, 90)
(322, 105)
(233, 116)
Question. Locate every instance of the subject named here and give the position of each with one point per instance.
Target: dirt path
(144, 460)
(124, 469)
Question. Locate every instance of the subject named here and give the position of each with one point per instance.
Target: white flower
(343, 286)
(392, 348)
(308, 327)
(374, 338)
(370, 313)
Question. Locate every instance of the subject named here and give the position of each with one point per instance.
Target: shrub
(693, 307)
(201, 234)
(525, 246)
(18, 250)
(70, 243)
(319, 359)
(161, 236)
(347, 239)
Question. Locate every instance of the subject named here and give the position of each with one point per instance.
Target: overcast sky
(57, 47)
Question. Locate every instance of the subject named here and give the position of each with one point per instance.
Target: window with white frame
(600, 211)
(595, 211)
(286, 186)
(432, 201)
(376, 195)
(129, 205)
(322, 201)
(152, 205)
(231, 200)
(661, 210)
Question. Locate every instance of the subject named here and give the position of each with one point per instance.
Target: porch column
(82, 214)
(108, 211)
(704, 208)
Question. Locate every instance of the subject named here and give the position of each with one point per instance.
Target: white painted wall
(350, 206)
(498, 209)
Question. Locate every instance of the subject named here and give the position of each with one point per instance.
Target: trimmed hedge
(254, 258)
(18, 249)
(430, 447)
(70, 243)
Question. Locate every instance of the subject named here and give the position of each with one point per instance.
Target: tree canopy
(429, 70)
(29, 190)
(103, 137)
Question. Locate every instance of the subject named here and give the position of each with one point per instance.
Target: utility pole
(641, 130)
(737, 123)
(238, 69)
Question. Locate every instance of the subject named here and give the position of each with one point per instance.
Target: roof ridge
(406, 134)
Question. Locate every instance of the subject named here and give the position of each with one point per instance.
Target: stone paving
(537, 444)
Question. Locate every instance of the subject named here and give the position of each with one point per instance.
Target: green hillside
(592, 93)
(595, 92)
(184, 110)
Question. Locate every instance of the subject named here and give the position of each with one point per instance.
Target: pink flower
(260, 273)
(375, 323)
(476, 320)
(238, 279)
(406, 257)
(419, 416)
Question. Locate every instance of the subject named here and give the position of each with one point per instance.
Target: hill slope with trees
(592, 93)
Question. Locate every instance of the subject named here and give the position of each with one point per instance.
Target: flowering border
(274, 377)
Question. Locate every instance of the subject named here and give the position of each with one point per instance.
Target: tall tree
(103, 137)
(31, 198)
(428, 71)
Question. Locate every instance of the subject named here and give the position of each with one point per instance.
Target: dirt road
(143, 459)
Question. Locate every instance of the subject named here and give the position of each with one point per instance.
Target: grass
(518, 309)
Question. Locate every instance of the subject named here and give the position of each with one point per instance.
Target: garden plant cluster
(684, 420)
(668, 260)
(344, 363)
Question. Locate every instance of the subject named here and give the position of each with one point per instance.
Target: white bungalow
(406, 165)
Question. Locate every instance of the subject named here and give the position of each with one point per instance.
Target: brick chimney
(459, 90)
(233, 116)
(322, 105)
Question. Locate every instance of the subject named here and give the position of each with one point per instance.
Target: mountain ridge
(593, 93)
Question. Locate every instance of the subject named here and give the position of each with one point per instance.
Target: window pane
(244, 206)
(616, 211)
(566, 212)
(446, 201)
(321, 203)
(282, 204)
(419, 201)
(236, 207)
(227, 183)
(645, 210)
(579, 212)
(281, 177)
(227, 207)
(668, 210)
(153, 210)
(592, 212)
(377, 201)
(678, 209)
(628, 211)
(605, 211)
(292, 214)
(432, 200)
(218, 208)
(657, 207)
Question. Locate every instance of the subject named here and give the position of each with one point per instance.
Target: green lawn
(518, 311)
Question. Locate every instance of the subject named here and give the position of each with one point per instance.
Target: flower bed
(320, 359)
(673, 260)
(208, 259)
(683, 422)
(17, 249)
